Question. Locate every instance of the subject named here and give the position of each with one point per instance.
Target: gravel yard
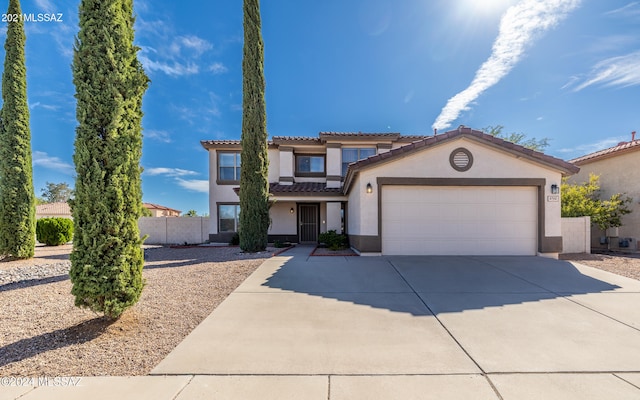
(622, 264)
(43, 334)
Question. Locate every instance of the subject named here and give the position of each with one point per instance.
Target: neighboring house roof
(61, 208)
(621, 148)
(152, 206)
(462, 131)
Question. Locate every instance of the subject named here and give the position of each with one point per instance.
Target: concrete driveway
(417, 327)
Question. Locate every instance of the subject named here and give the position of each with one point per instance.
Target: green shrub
(54, 231)
(333, 240)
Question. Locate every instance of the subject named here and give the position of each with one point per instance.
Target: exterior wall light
(369, 188)
(291, 211)
(555, 189)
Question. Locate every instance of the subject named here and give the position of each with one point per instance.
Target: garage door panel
(459, 220)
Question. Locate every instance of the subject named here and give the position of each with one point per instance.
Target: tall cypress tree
(17, 199)
(254, 170)
(107, 259)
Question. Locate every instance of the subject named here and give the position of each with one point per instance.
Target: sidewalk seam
(184, 387)
(626, 381)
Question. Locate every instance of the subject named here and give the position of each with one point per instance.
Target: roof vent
(461, 159)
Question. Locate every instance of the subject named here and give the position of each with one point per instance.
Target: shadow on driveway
(474, 282)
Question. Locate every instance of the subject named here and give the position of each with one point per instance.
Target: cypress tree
(254, 170)
(17, 199)
(107, 259)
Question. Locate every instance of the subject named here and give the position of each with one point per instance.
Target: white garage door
(424, 220)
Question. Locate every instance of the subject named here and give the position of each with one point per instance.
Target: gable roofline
(152, 206)
(620, 149)
(462, 132)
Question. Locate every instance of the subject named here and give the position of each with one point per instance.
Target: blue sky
(568, 70)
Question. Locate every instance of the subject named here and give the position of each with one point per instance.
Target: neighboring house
(51, 210)
(161, 211)
(460, 192)
(617, 167)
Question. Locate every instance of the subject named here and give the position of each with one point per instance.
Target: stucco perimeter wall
(488, 163)
(174, 230)
(576, 235)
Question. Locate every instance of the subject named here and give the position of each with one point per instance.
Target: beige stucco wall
(285, 167)
(53, 215)
(488, 162)
(274, 165)
(283, 222)
(334, 222)
(618, 175)
(334, 161)
(174, 230)
(576, 235)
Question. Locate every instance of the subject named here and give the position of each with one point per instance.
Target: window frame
(311, 174)
(236, 167)
(236, 219)
(343, 169)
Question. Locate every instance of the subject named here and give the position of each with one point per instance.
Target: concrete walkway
(334, 328)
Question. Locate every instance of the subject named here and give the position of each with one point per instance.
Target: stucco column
(334, 220)
(286, 165)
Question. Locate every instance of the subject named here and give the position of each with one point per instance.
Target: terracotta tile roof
(621, 148)
(359, 134)
(288, 139)
(304, 188)
(152, 206)
(301, 189)
(411, 138)
(450, 135)
(61, 208)
(208, 144)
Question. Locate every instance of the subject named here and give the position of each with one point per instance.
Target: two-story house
(460, 192)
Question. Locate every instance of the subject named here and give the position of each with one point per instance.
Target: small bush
(54, 231)
(333, 240)
(235, 240)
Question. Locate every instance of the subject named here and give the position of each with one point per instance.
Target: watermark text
(30, 381)
(32, 17)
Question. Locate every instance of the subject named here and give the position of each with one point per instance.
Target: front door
(308, 222)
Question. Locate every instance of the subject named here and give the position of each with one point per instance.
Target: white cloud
(519, 26)
(42, 159)
(218, 68)
(179, 58)
(629, 10)
(615, 71)
(171, 68)
(38, 104)
(170, 172)
(160, 136)
(45, 5)
(192, 42)
(195, 185)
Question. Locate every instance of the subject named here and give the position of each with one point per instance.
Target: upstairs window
(352, 155)
(310, 165)
(229, 167)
